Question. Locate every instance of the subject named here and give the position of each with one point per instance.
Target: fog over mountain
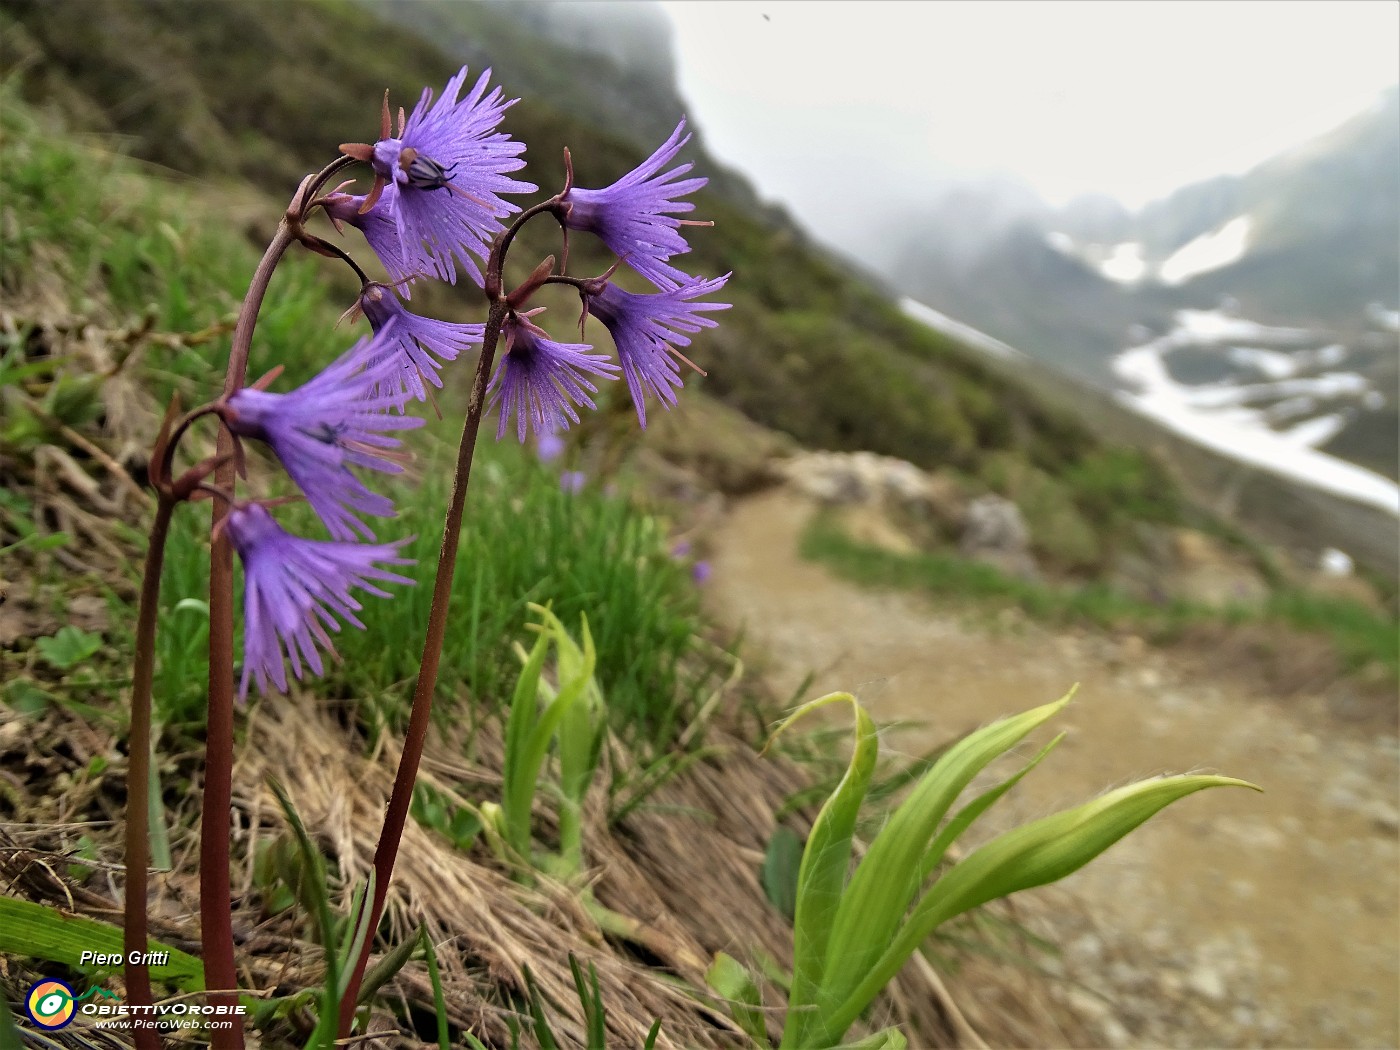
(1266, 300)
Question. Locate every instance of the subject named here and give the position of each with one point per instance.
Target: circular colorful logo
(50, 1004)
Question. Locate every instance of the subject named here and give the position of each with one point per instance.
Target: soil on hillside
(1232, 919)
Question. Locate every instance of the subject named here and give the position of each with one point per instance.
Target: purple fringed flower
(293, 591)
(421, 344)
(572, 481)
(636, 216)
(540, 381)
(648, 328)
(335, 421)
(442, 175)
(379, 231)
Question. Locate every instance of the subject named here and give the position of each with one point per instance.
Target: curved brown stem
(138, 777)
(215, 896)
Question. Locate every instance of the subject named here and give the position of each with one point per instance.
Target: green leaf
(387, 966)
(974, 809)
(884, 884)
(518, 779)
(26, 698)
(781, 862)
(69, 647)
(591, 998)
(439, 1000)
(822, 875)
(355, 934)
(1033, 855)
(544, 1035)
(158, 833)
(46, 933)
(733, 983)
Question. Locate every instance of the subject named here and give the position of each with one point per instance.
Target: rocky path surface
(1233, 919)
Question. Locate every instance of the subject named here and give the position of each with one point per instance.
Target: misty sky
(830, 105)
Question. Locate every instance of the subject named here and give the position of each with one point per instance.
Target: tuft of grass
(526, 539)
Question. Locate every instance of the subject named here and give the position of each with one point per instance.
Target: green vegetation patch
(1362, 637)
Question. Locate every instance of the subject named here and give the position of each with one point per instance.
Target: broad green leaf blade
(69, 647)
(733, 983)
(1033, 855)
(965, 817)
(518, 785)
(885, 882)
(781, 862)
(41, 932)
(822, 875)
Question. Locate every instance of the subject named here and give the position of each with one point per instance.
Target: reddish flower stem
(421, 714)
(215, 895)
(138, 777)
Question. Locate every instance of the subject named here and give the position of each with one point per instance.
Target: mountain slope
(226, 90)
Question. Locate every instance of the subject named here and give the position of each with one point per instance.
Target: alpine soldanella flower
(296, 590)
(420, 344)
(646, 330)
(636, 216)
(372, 219)
(439, 179)
(335, 421)
(540, 381)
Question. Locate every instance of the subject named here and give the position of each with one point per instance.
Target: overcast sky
(829, 103)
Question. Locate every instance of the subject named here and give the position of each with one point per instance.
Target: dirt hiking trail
(1232, 919)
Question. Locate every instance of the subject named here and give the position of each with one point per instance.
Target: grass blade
(42, 932)
(385, 969)
(439, 1001)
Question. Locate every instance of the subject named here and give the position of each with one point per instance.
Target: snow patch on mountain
(1276, 424)
(1210, 251)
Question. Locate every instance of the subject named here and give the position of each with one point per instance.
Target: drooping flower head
(636, 216)
(335, 421)
(441, 176)
(420, 344)
(381, 234)
(540, 381)
(294, 589)
(648, 328)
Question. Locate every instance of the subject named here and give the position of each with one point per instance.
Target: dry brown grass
(684, 868)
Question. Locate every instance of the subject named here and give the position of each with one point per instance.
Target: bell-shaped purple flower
(420, 344)
(294, 590)
(443, 174)
(636, 216)
(647, 329)
(540, 381)
(381, 234)
(335, 421)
